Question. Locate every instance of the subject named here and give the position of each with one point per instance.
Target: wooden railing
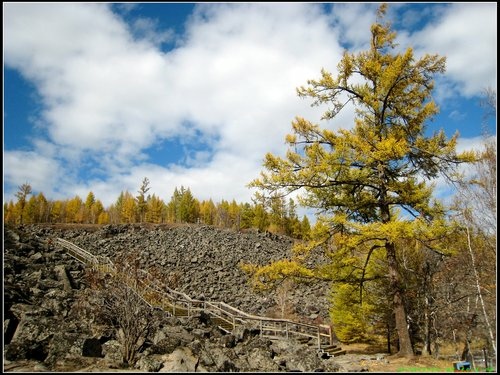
(158, 295)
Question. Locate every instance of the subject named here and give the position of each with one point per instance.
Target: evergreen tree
(189, 207)
(9, 213)
(57, 212)
(305, 228)
(89, 202)
(129, 209)
(260, 218)
(361, 178)
(74, 210)
(208, 212)
(155, 210)
(247, 215)
(22, 194)
(96, 210)
(223, 219)
(30, 213)
(141, 199)
(43, 208)
(173, 207)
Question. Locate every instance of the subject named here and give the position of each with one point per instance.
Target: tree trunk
(480, 294)
(388, 338)
(405, 347)
(427, 330)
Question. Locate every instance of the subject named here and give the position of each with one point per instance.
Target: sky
(98, 96)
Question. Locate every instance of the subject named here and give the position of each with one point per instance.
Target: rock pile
(204, 262)
(43, 323)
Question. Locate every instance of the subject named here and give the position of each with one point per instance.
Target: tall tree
(189, 207)
(89, 202)
(173, 207)
(9, 213)
(247, 215)
(362, 177)
(305, 229)
(95, 211)
(142, 202)
(74, 210)
(57, 212)
(260, 217)
(43, 208)
(129, 208)
(155, 211)
(277, 214)
(23, 191)
(208, 212)
(235, 215)
(30, 212)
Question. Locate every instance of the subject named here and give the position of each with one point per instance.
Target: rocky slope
(42, 286)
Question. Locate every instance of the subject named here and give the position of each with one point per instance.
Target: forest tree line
(279, 216)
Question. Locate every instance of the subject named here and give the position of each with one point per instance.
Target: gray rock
(181, 360)
(43, 286)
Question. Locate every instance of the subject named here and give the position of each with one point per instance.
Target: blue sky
(98, 96)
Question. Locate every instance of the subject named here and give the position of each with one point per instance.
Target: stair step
(337, 352)
(328, 347)
(222, 324)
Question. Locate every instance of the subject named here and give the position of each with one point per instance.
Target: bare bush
(114, 301)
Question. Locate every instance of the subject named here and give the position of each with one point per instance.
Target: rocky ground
(43, 288)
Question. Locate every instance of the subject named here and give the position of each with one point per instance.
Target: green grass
(437, 369)
(424, 369)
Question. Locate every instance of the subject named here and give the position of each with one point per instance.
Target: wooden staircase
(222, 315)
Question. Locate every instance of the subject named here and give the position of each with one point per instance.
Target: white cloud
(109, 96)
(353, 22)
(29, 167)
(467, 35)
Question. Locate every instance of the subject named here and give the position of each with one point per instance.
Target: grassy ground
(394, 364)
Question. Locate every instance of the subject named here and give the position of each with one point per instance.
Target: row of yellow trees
(277, 217)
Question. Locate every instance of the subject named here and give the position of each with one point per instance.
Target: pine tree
(74, 210)
(129, 209)
(361, 178)
(22, 194)
(155, 210)
(142, 202)
(208, 212)
(89, 202)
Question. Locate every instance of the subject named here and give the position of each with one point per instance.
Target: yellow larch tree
(363, 178)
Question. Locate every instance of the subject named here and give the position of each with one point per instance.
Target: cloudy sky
(98, 96)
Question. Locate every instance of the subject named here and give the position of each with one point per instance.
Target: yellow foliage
(265, 277)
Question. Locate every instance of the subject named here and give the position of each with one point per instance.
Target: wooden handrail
(157, 294)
